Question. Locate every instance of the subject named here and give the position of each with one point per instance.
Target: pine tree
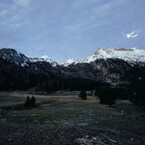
(33, 100)
(107, 96)
(83, 95)
(28, 102)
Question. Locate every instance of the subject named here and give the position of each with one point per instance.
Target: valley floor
(63, 119)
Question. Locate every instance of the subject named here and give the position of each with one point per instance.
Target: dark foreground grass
(65, 119)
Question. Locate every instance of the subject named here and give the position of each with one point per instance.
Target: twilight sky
(64, 29)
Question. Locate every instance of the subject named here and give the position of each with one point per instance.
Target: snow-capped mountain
(131, 55)
(106, 65)
(127, 54)
(16, 57)
(71, 61)
(13, 56)
(44, 58)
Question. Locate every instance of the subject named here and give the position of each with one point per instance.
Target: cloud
(70, 27)
(131, 35)
(4, 12)
(77, 4)
(22, 3)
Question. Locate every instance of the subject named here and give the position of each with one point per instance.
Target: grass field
(95, 123)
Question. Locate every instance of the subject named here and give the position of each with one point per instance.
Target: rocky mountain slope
(109, 71)
(18, 58)
(13, 56)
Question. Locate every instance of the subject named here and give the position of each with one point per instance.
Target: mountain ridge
(131, 55)
(20, 72)
(127, 54)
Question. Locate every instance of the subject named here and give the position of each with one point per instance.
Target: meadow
(63, 118)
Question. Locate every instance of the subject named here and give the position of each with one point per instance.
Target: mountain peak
(45, 57)
(71, 61)
(12, 55)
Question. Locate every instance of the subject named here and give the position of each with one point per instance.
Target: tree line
(134, 92)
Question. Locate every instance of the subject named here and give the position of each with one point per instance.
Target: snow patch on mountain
(126, 54)
(45, 58)
(71, 61)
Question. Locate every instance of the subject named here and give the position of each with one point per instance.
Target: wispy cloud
(131, 35)
(70, 27)
(22, 3)
(4, 12)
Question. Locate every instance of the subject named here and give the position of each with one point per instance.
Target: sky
(63, 29)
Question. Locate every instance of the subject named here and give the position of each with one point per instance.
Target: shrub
(83, 95)
(107, 96)
(138, 98)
